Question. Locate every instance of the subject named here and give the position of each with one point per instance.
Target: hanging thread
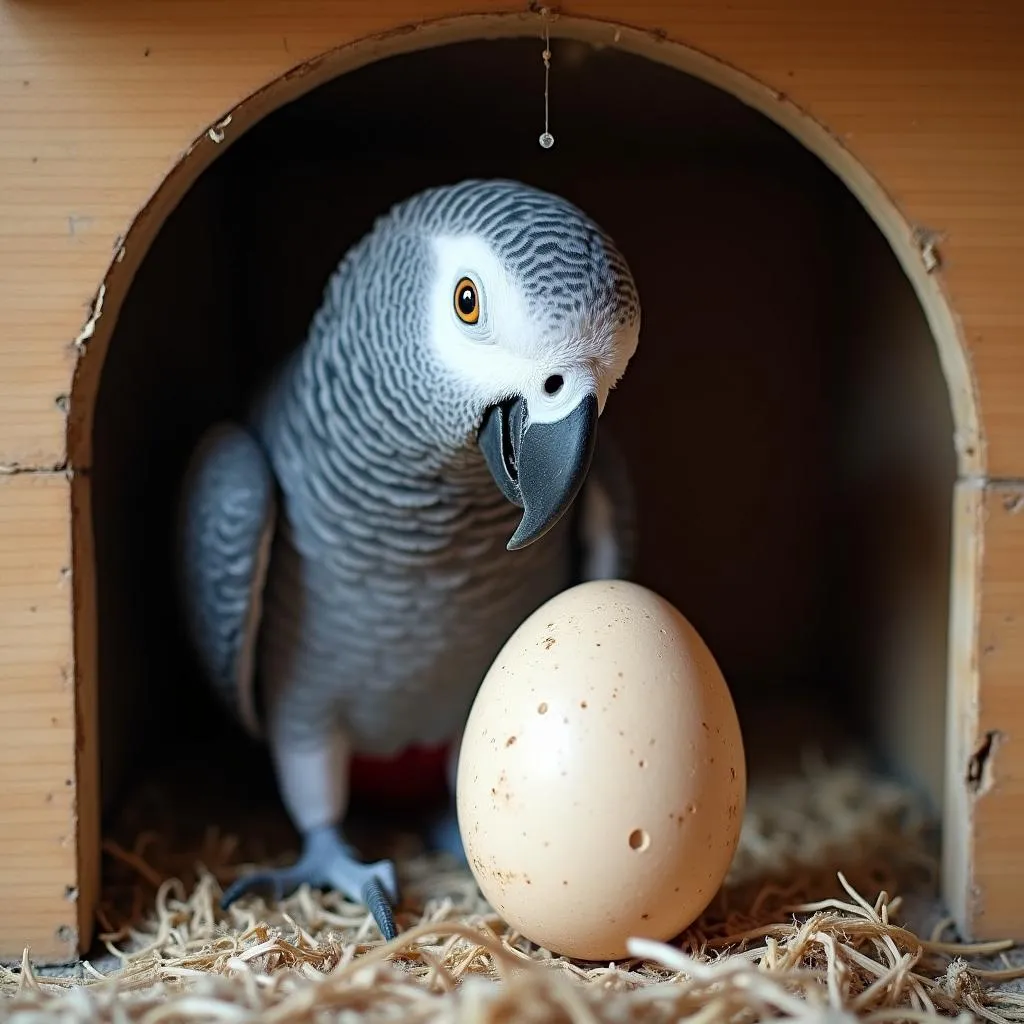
(547, 140)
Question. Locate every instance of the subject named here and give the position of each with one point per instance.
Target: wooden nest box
(824, 210)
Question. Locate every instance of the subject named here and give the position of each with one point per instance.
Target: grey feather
(391, 590)
(226, 523)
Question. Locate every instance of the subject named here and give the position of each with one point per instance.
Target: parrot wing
(227, 515)
(227, 520)
(605, 533)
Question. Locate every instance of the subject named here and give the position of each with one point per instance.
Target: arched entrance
(808, 300)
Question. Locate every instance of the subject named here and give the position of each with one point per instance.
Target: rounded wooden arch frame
(979, 878)
(913, 252)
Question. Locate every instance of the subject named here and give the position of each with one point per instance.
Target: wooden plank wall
(100, 98)
(38, 839)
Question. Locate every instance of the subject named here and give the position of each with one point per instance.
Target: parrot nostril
(553, 384)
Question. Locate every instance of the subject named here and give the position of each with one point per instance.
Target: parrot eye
(467, 304)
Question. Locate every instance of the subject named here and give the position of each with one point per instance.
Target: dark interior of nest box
(786, 416)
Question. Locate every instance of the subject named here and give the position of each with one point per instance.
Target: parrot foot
(328, 863)
(443, 835)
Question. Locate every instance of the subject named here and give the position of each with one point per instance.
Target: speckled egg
(601, 779)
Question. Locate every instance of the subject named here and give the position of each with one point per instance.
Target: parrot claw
(328, 863)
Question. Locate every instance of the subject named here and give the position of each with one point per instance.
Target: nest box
(824, 210)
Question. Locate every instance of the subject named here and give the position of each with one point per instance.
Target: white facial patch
(507, 351)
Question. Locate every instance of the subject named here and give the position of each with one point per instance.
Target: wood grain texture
(88, 746)
(985, 764)
(38, 834)
(132, 86)
(992, 773)
(100, 100)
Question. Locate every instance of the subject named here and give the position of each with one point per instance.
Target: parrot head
(534, 313)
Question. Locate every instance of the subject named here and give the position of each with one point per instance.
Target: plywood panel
(38, 792)
(985, 765)
(99, 89)
(993, 772)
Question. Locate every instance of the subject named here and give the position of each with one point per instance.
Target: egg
(601, 779)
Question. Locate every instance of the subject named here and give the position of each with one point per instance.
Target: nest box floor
(827, 914)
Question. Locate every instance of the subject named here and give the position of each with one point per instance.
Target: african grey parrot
(344, 556)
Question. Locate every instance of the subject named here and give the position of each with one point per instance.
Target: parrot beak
(538, 466)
